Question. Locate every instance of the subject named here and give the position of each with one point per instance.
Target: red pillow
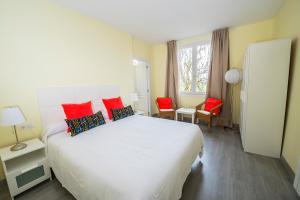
(164, 102)
(113, 103)
(211, 103)
(73, 111)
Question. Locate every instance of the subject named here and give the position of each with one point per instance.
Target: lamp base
(18, 147)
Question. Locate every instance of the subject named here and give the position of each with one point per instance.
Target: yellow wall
(240, 37)
(287, 25)
(158, 73)
(45, 45)
(142, 50)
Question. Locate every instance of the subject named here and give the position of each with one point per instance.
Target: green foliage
(194, 78)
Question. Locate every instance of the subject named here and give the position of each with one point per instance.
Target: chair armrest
(216, 107)
(198, 107)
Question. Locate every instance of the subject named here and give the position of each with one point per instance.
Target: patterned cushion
(82, 124)
(121, 113)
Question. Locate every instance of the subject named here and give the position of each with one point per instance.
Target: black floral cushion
(82, 124)
(121, 113)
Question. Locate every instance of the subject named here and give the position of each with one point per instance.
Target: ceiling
(162, 20)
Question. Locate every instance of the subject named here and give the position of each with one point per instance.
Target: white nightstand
(25, 168)
(139, 112)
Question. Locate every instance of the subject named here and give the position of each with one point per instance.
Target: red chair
(212, 108)
(166, 107)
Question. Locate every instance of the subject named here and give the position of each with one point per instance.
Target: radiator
(297, 179)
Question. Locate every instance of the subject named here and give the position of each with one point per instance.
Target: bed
(135, 158)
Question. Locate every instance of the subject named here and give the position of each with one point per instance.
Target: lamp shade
(10, 116)
(134, 97)
(233, 76)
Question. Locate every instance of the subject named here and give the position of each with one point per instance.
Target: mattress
(136, 158)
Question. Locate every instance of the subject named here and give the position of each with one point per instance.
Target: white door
(142, 86)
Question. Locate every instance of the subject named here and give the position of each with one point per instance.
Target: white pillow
(55, 128)
(99, 106)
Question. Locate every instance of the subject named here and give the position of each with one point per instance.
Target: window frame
(194, 66)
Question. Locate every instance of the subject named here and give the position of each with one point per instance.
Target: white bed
(136, 158)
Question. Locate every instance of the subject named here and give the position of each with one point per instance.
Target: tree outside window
(194, 62)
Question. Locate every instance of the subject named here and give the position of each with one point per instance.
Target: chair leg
(209, 124)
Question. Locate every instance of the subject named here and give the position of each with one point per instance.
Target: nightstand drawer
(24, 179)
(30, 175)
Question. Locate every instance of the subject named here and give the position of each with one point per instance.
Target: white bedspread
(136, 158)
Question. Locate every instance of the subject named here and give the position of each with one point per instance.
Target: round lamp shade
(233, 76)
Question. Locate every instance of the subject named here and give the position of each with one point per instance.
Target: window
(194, 62)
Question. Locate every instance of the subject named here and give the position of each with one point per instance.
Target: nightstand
(25, 168)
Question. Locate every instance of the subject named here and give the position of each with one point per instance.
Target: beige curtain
(172, 72)
(217, 86)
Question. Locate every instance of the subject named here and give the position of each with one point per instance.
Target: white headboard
(50, 100)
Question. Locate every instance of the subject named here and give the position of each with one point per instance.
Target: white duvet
(136, 158)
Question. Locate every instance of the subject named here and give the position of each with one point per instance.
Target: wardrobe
(263, 96)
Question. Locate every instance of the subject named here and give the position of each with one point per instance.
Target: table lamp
(12, 116)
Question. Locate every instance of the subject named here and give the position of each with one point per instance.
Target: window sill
(192, 94)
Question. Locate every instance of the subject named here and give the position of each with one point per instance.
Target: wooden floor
(227, 173)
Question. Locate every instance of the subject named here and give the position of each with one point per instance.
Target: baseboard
(287, 167)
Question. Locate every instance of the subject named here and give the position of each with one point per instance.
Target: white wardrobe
(263, 96)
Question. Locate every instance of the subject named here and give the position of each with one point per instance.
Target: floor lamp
(233, 77)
